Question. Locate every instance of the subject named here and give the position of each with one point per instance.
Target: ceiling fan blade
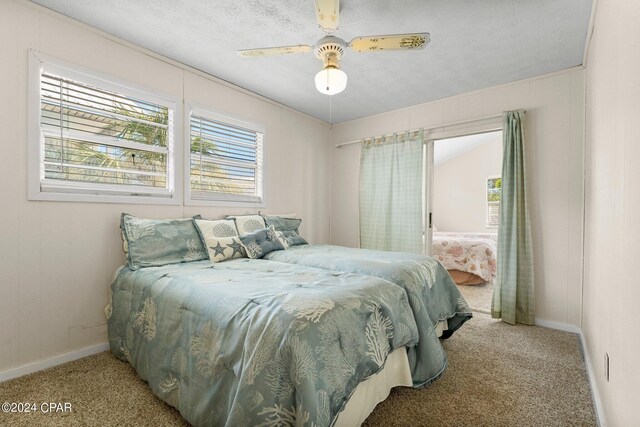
(280, 50)
(390, 42)
(328, 14)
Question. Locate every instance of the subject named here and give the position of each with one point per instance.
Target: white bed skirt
(376, 388)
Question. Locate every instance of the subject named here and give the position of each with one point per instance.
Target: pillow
(283, 215)
(219, 227)
(281, 223)
(288, 227)
(279, 236)
(221, 239)
(248, 223)
(261, 242)
(125, 247)
(157, 242)
(293, 238)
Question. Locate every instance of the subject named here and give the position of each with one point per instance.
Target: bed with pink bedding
(470, 258)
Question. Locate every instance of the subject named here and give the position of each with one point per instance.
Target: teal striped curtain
(391, 211)
(513, 298)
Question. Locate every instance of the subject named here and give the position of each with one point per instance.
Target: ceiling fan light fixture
(330, 49)
(331, 80)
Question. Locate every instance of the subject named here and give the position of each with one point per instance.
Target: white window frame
(220, 199)
(86, 192)
(487, 202)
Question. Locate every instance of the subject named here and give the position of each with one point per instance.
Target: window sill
(102, 198)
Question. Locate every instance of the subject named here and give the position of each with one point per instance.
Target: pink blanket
(468, 252)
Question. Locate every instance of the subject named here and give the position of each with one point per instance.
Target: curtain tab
(519, 111)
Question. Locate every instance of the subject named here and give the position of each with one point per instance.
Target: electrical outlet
(606, 366)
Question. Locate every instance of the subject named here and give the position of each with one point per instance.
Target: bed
(470, 258)
(274, 341)
(429, 287)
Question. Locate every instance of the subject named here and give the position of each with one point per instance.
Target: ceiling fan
(331, 79)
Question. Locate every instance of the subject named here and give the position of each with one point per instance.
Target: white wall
(612, 208)
(554, 150)
(460, 187)
(57, 259)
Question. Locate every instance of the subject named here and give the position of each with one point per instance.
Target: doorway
(463, 205)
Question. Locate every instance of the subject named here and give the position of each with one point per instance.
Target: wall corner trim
(54, 361)
(595, 394)
(592, 23)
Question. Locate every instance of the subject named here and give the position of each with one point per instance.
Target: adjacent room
(319, 212)
(465, 213)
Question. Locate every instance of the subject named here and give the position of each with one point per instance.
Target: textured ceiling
(474, 44)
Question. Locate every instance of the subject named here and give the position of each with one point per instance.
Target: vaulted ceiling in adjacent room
(474, 45)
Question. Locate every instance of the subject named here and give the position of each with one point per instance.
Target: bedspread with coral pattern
(433, 295)
(468, 252)
(255, 342)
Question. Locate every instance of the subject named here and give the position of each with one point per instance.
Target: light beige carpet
(498, 375)
(478, 296)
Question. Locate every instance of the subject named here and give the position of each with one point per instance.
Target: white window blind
(102, 138)
(494, 193)
(226, 162)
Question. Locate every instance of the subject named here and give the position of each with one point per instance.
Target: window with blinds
(494, 192)
(226, 162)
(100, 138)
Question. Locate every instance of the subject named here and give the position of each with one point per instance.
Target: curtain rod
(495, 116)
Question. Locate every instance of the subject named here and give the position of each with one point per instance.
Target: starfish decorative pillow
(221, 239)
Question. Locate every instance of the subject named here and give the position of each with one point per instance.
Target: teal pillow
(293, 238)
(157, 242)
(261, 242)
(288, 227)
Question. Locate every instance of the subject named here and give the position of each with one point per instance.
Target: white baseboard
(597, 402)
(557, 325)
(595, 394)
(54, 361)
